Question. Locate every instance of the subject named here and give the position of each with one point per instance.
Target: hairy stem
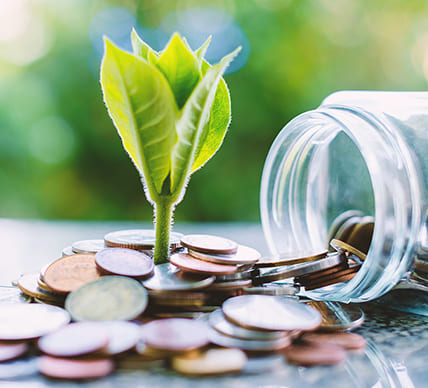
(163, 219)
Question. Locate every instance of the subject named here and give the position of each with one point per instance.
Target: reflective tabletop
(396, 354)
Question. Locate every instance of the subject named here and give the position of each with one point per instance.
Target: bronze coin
(349, 341)
(361, 235)
(209, 244)
(328, 282)
(175, 334)
(346, 229)
(62, 368)
(311, 354)
(320, 274)
(188, 263)
(74, 340)
(140, 239)
(10, 351)
(340, 220)
(125, 262)
(244, 255)
(290, 258)
(70, 272)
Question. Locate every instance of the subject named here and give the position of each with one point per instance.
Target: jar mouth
(296, 203)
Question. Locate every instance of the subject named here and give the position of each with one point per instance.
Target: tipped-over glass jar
(366, 151)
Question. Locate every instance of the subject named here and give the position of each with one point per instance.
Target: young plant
(172, 110)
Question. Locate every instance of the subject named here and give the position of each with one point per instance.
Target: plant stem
(163, 219)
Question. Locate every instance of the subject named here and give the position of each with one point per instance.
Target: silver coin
(13, 295)
(338, 316)
(245, 274)
(265, 312)
(279, 273)
(123, 336)
(212, 245)
(67, 251)
(27, 321)
(244, 255)
(141, 239)
(273, 289)
(218, 322)
(168, 277)
(19, 368)
(248, 345)
(88, 246)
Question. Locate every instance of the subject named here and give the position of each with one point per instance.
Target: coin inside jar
(188, 263)
(175, 334)
(347, 249)
(124, 261)
(140, 239)
(349, 341)
(209, 244)
(70, 272)
(315, 354)
(273, 313)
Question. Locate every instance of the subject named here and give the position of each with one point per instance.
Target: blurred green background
(60, 156)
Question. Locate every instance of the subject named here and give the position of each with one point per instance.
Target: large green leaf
(141, 49)
(180, 68)
(216, 126)
(191, 126)
(142, 107)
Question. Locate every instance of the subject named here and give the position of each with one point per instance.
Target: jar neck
(297, 174)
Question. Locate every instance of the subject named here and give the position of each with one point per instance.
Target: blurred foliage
(60, 156)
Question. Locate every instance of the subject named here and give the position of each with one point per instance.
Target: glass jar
(366, 151)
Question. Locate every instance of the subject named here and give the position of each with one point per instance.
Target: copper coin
(124, 261)
(361, 235)
(168, 277)
(12, 351)
(28, 284)
(187, 263)
(30, 320)
(338, 316)
(71, 272)
(87, 246)
(311, 354)
(62, 368)
(75, 340)
(320, 274)
(290, 258)
(209, 244)
(268, 275)
(244, 255)
(175, 334)
(347, 249)
(140, 239)
(264, 312)
(338, 278)
(349, 341)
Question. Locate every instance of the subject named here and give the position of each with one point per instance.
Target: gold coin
(340, 220)
(71, 272)
(361, 236)
(346, 249)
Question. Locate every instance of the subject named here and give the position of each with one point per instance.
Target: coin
(311, 355)
(181, 298)
(15, 324)
(19, 368)
(244, 274)
(13, 295)
(67, 251)
(87, 246)
(175, 334)
(340, 277)
(268, 275)
(74, 340)
(290, 258)
(76, 369)
(340, 219)
(10, 351)
(348, 341)
(70, 272)
(205, 243)
(272, 313)
(314, 276)
(338, 316)
(28, 284)
(124, 261)
(346, 249)
(210, 362)
(273, 289)
(244, 255)
(188, 263)
(44, 286)
(168, 277)
(249, 345)
(346, 228)
(140, 239)
(123, 336)
(108, 298)
(218, 322)
(232, 285)
(361, 235)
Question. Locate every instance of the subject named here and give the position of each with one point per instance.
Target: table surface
(396, 355)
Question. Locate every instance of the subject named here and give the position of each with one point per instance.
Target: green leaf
(201, 51)
(216, 126)
(141, 49)
(180, 68)
(143, 110)
(191, 127)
